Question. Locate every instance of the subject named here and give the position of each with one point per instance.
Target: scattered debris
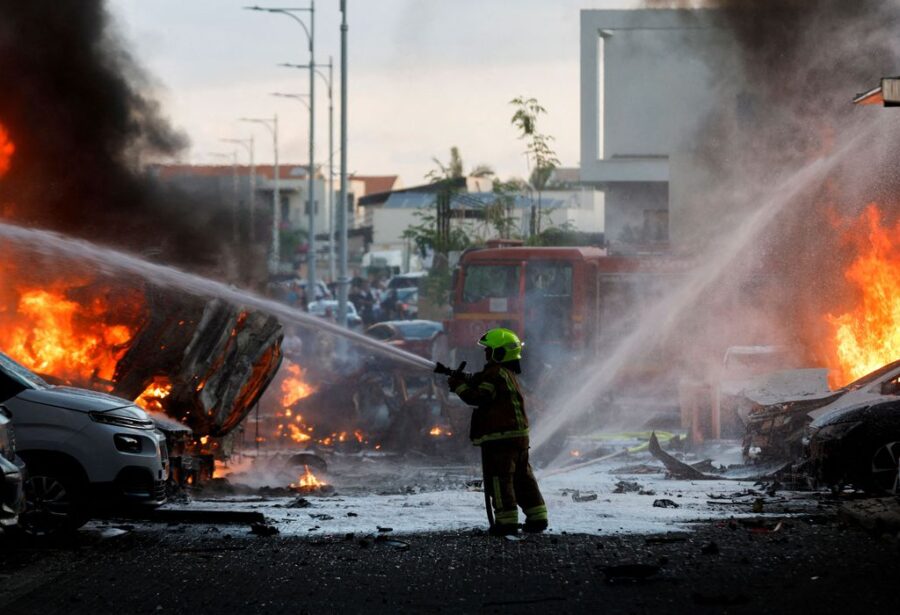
(678, 469)
(263, 529)
(321, 516)
(877, 514)
(587, 497)
(710, 548)
(384, 529)
(627, 486)
(639, 468)
(299, 502)
(392, 542)
(665, 503)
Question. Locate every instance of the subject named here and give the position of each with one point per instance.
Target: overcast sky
(424, 75)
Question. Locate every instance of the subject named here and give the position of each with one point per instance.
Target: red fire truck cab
(566, 303)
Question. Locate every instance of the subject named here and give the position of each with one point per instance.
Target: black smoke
(76, 106)
(785, 101)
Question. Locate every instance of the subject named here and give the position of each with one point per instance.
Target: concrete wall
(646, 87)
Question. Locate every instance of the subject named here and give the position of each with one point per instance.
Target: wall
(646, 85)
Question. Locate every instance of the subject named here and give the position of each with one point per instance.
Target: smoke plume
(73, 101)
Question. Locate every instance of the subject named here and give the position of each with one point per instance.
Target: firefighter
(500, 427)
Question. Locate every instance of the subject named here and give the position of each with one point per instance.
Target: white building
(646, 86)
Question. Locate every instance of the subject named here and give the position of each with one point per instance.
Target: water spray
(113, 261)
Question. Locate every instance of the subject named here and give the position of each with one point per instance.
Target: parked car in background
(83, 450)
(400, 304)
(422, 337)
(329, 308)
(408, 280)
(12, 497)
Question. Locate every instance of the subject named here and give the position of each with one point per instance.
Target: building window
(306, 207)
(351, 202)
(285, 208)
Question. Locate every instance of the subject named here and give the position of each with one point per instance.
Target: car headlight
(128, 444)
(108, 418)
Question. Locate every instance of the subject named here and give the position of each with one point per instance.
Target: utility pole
(342, 209)
(275, 256)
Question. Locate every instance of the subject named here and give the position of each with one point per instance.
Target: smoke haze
(74, 103)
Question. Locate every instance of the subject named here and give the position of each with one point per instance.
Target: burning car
(776, 430)
(81, 448)
(857, 445)
(419, 337)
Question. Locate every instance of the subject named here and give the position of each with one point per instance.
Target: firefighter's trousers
(511, 483)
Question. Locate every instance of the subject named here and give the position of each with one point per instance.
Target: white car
(82, 449)
(329, 309)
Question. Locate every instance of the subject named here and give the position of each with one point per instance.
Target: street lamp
(234, 186)
(251, 202)
(311, 38)
(272, 126)
(343, 282)
(329, 83)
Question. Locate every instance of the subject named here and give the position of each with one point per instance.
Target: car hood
(80, 399)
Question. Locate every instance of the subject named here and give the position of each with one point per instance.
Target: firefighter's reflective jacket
(500, 407)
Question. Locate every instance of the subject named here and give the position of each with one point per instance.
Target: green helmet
(505, 345)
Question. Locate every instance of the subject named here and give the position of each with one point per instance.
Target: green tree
(538, 151)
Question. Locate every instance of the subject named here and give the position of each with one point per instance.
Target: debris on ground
(665, 503)
(627, 486)
(577, 496)
(710, 548)
(299, 502)
(876, 514)
(263, 529)
(678, 469)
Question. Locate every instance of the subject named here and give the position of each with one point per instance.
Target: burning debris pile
(204, 363)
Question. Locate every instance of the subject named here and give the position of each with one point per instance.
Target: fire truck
(569, 304)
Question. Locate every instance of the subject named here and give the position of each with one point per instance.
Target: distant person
(367, 300)
(500, 427)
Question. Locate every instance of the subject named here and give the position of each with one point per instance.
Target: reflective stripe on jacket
(499, 405)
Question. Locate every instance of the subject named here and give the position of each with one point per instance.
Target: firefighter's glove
(455, 381)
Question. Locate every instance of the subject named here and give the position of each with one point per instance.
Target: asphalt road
(807, 565)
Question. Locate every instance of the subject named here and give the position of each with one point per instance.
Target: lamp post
(329, 195)
(342, 209)
(311, 37)
(251, 201)
(272, 126)
(310, 203)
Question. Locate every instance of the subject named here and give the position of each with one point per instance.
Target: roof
(285, 171)
(376, 183)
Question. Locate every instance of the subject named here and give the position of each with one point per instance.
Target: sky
(424, 75)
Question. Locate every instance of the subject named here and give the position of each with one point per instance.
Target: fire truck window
(484, 281)
(548, 302)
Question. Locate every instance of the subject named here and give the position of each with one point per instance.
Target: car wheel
(886, 468)
(54, 502)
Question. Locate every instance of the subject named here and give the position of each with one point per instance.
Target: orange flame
(152, 397)
(868, 337)
(293, 388)
(7, 149)
(307, 480)
(54, 335)
(437, 431)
